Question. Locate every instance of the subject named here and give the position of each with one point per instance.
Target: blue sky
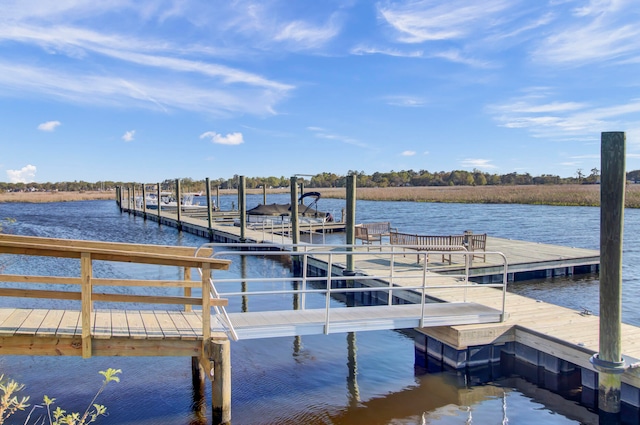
(130, 90)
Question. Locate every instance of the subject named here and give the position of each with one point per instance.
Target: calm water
(364, 378)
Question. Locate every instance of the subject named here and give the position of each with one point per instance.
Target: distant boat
(281, 213)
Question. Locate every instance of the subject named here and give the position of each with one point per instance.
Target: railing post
(187, 289)
(206, 302)
(86, 274)
(350, 220)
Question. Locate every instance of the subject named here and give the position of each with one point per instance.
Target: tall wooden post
(264, 194)
(159, 202)
(242, 206)
(295, 224)
(209, 208)
(608, 362)
(350, 219)
(144, 201)
(218, 197)
(179, 202)
(133, 196)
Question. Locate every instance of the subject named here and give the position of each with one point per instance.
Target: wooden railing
(89, 251)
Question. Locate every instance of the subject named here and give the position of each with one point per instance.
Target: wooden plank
(51, 323)
(11, 324)
(182, 325)
(4, 313)
(40, 279)
(166, 325)
(156, 299)
(119, 324)
(68, 326)
(151, 325)
(102, 324)
(136, 325)
(32, 322)
(145, 282)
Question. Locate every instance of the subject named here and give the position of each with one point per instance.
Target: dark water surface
(363, 378)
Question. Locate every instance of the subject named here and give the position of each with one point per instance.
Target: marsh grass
(567, 195)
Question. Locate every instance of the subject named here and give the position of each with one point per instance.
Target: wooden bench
(441, 243)
(369, 233)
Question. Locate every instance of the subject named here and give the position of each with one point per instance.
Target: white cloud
(26, 174)
(325, 134)
(229, 139)
(408, 153)
(405, 101)
(564, 120)
(364, 50)
(128, 136)
(49, 125)
(306, 36)
(477, 163)
(431, 20)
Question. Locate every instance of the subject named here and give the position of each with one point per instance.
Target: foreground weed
(10, 404)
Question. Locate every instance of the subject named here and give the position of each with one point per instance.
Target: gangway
(408, 291)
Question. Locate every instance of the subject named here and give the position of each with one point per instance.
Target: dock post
(264, 194)
(295, 228)
(218, 196)
(179, 202)
(128, 199)
(133, 197)
(158, 189)
(609, 362)
(144, 201)
(209, 209)
(242, 207)
(350, 219)
(220, 355)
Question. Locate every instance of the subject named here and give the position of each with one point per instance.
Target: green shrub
(10, 403)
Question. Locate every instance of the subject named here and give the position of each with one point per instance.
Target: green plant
(10, 403)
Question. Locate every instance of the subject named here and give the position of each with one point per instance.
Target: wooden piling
(242, 207)
(295, 224)
(218, 197)
(264, 194)
(144, 201)
(608, 361)
(179, 202)
(220, 355)
(209, 208)
(351, 218)
(158, 190)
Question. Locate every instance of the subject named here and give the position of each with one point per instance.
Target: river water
(364, 378)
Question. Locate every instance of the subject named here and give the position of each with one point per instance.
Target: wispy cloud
(408, 153)
(229, 139)
(600, 31)
(304, 35)
(321, 133)
(477, 163)
(26, 174)
(564, 120)
(368, 50)
(405, 101)
(49, 125)
(128, 136)
(432, 20)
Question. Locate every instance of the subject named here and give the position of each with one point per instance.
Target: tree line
(377, 179)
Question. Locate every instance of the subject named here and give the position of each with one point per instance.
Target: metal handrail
(306, 251)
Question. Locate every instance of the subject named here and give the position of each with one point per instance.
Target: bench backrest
(478, 242)
(380, 228)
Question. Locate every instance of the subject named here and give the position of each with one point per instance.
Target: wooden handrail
(88, 252)
(118, 246)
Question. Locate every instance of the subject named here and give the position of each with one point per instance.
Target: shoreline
(559, 195)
